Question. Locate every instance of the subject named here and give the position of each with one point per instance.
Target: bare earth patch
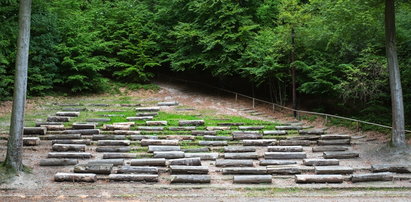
(39, 185)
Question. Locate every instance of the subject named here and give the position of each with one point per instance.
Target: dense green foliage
(78, 46)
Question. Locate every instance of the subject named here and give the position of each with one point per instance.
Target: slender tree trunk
(15, 141)
(398, 133)
(293, 76)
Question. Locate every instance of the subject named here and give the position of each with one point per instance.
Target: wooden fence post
(253, 103)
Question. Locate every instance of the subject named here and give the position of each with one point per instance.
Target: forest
(336, 48)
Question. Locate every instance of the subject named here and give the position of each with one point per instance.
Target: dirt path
(40, 186)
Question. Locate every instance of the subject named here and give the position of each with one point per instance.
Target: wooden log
(304, 137)
(246, 171)
(311, 132)
(113, 127)
(138, 170)
(182, 128)
(119, 155)
(113, 143)
(58, 119)
(333, 170)
(169, 154)
(239, 149)
(84, 126)
(383, 176)
(140, 137)
(138, 118)
(108, 137)
(154, 148)
(245, 155)
(69, 114)
(156, 123)
(190, 179)
(251, 127)
(31, 141)
(340, 155)
(53, 127)
(335, 137)
(126, 132)
(276, 162)
(247, 136)
(146, 142)
(69, 147)
(150, 128)
(179, 137)
(177, 169)
(83, 131)
(395, 168)
(262, 142)
(113, 149)
(230, 124)
(64, 137)
(191, 122)
(241, 132)
(214, 128)
(114, 162)
(98, 120)
(69, 155)
(202, 156)
(58, 162)
(321, 162)
(233, 163)
(252, 179)
(93, 168)
(68, 104)
(213, 143)
(152, 114)
(99, 105)
(295, 142)
(200, 150)
(133, 177)
(148, 109)
(74, 109)
(289, 127)
(285, 149)
(203, 133)
(148, 162)
(185, 161)
(212, 137)
(38, 124)
(275, 132)
(170, 103)
(319, 178)
(130, 105)
(329, 148)
(34, 130)
(72, 141)
(287, 170)
(334, 142)
(75, 177)
(285, 155)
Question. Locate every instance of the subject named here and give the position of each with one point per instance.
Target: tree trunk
(398, 134)
(15, 141)
(293, 76)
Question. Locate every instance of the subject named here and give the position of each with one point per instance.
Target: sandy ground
(40, 185)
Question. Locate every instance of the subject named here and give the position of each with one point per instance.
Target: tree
(397, 106)
(14, 159)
